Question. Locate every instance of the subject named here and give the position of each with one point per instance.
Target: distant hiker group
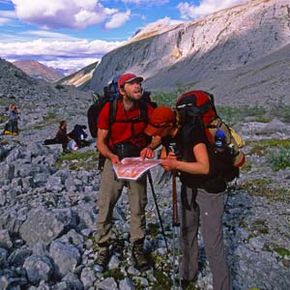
(70, 141)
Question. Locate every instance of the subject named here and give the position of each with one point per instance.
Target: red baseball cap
(160, 119)
(128, 78)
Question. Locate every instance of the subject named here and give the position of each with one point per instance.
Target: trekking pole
(176, 229)
(157, 208)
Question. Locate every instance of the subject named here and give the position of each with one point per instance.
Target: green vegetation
(277, 152)
(162, 281)
(263, 187)
(167, 99)
(114, 273)
(260, 227)
(78, 160)
(282, 252)
(233, 115)
(279, 159)
(50, 116)
(3, 118)
(260, 147)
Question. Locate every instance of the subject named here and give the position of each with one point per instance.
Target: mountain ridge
(205, 50)
(38, 70)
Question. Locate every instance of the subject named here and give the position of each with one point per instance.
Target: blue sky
(71, 34)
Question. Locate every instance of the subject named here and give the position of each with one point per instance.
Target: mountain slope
(38, 70)
(207, 53)
(81, 78)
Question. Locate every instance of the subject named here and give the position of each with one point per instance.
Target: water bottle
(220, 140)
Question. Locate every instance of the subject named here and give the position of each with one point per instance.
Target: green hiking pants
(110, 191)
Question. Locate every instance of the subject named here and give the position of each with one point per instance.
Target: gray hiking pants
(206, 208)
(110, 192)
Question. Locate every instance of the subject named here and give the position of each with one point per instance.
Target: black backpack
(111, 93)
(197, 108)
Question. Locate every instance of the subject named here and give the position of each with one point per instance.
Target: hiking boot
(140, 259)
(103, 258)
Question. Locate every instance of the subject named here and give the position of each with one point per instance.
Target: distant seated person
(79, 135)
(61, 137)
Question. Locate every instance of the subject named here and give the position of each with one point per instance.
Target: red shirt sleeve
(103, 118)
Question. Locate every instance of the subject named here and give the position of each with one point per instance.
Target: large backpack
(197, 108)
(111, 95)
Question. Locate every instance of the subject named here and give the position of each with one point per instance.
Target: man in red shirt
(124, 137)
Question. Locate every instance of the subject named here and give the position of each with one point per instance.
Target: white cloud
(118, 19)
(146, 2)
(55, 49)
(73, 64)
(6, 16)
(190, 11)
(77, 14)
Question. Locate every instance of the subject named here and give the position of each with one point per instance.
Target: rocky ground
(48, 213)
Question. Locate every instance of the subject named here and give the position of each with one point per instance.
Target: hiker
(198, 204)
(79, 135)
(123, 138)
(61, 137)
(11, 127)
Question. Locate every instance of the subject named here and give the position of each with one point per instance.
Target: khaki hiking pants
(110, 192)
(199, 206)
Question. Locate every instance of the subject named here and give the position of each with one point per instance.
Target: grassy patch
(260, 147)
(3, 118)
(77, 160)
(233, 115)
(282, 252)
(263, 187)
(163, 281)
(167, 99)
(279, 159)
(50, 116)
(114, 273)
(260, 227)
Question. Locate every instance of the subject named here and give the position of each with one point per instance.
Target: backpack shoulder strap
(113, 110)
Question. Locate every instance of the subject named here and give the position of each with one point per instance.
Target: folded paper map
(133, 167)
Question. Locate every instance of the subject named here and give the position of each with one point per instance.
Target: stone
(65, 256)
(38, 268)
(41, 225)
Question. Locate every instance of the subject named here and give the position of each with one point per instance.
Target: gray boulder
(41, 225)
(38, 268)
(65, 256)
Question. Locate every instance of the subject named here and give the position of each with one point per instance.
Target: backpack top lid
(195, 104)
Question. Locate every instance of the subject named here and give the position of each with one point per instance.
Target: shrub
(279, 159)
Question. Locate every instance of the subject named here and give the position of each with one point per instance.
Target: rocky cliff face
(240, 54)
(81, 78)
(38, 70)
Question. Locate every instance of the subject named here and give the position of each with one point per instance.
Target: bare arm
(103, 148)
(200, 166)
